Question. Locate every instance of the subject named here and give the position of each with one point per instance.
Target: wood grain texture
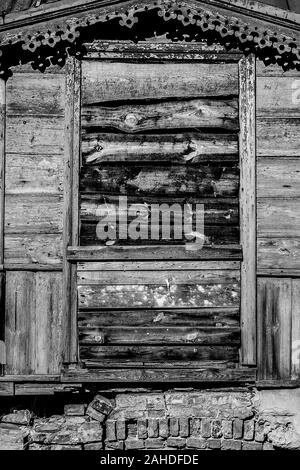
(2, 164)
(33, 249)
(35, 94)
(204, 113)
(278, 96)
(295, 340)
(247, 67)
(191, 148)
(278, 253)
(157, 266)
(33, 322)
(278, 177)
(278, 137)
(101, 81)
(35, 135)
(278, 218)
(28, 174)
(176, 180)
(274, 71)
(274, 313)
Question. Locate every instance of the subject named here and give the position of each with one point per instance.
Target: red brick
(237, 428)
(93, 446)
(163, 426)
(248, 430)
(184, 427)
(268, 446)
(142, 428)
(177, 442)
(196, 443)
(152, 427)
(154, 443)
(117, 445)
(214, 443)
(252, 446)
(134, 444)
(174, 427)
(121, 430)
(227, 429)
(195, 427)
(206, 427)
(216, 428)
(230, 444)
(111, 430)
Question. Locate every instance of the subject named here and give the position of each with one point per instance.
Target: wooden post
(247, 68)
(70, 226)
(2, 212)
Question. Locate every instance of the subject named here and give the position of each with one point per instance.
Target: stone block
(134, 444)
(163, 426)
(238, 428)
(142, 429)
(184, 428)
(77, 409)
(252, 446)
(227, 429)
(152, 427)
(230, 444)
(214, 444)
(196, 443)
(248, 430)
(177, 442)
(21, 417)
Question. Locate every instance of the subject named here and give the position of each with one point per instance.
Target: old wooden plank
(33, 322)
(30, 378)
(158, 266)
(33, 213)
(35, 94)
(2, 164)
(275, 71)
(159, 374)
(173, 148)
(226, 316)
(6, 389)
(247, 67)
(115, 355)
(35, 135)
(204, 113)
(37, 389)
(278, 217)
(278, 177)
(278, 253)
(98, 253)
(160, 296)
(34, 174)
(106, 81)
(277, 96)
(274, 312)
(203, 181)
(295, 366)
(278, 137)
(33, 249)
(169, 278)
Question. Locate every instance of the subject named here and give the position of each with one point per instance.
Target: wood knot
(131, 120)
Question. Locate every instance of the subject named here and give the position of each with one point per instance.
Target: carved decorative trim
(50, 42)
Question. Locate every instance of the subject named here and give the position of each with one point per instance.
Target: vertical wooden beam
(71, 199)
(2, 214)
(247, 73)
(295, 372)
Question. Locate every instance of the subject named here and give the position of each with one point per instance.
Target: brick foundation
(209, 419)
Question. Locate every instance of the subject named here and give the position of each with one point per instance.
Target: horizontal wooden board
(203, 181)
(278, 177)
(157, 266)
(205, 113)
(106, 81)
(278, 217)
(33, 213)
(35, 135)
(35, 94)
(211, 373)
(33, 249)
(33, 174)
(168, 278)
(158, 335)
(278, 97)
(169, 148)
(218, 317)
(274, 70)
(171, 252)
(116, 355)
(278, 253)
(278, 137)
(160, 296)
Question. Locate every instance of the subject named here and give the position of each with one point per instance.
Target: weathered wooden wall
(278, 225)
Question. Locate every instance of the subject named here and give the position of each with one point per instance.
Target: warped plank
(295, 372)
(175, 252)
(33, 322)
(157, 335)
(278, 217)
(98, 355)
(278, 253)
(34, 174)
(158, 266)
(172, 148)
(226, 316)
(203, 181)
(203, 113)
(274, 328)
(159, 296)
(278, 177)
(160, 374)
(169, 278)
(278, 137)
(277, 96)
(106, 81)
(94, 207)
(33, 213)
(35, 94)
(35, 135)
(33, 249)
